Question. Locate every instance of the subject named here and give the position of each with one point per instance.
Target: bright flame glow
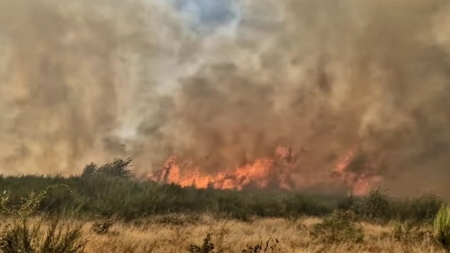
(262, 174)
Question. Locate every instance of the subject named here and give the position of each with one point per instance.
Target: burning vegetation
(352, 170)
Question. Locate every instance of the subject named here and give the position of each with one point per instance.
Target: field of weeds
(108, 211)
(178, 233)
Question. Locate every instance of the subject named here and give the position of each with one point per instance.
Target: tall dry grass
(173, 234)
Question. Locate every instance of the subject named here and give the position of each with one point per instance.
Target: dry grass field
(236, 236)
(173, 234)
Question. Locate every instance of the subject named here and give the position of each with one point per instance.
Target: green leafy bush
(441, 227)
(375, 207)
(118, 168)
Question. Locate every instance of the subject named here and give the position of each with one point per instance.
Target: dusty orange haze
(90, 80)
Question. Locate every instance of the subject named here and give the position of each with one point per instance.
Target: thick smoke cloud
(93, 80)
(63, 81)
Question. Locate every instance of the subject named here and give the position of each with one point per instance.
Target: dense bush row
(110, 190)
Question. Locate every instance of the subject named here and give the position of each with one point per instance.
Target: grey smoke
(92, 80)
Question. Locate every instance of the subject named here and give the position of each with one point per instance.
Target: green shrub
(346, 203)
(118, 168)
(341, 226)
(89, 170)
(375, 207)
(441, 227)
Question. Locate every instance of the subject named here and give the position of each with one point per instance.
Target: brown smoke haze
(87, 81)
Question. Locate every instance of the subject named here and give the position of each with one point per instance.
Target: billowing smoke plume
(223, 83)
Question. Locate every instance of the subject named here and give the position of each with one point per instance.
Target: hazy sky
(223, 82)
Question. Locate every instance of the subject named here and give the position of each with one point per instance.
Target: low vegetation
(442, 227)
(206, 247)
(104, 204)
(341, 226)
(46, 234)
(109, 190)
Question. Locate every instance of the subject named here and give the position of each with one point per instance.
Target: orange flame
(360, 179)
(261, 174)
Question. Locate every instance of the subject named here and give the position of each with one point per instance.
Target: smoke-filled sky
(224, 82)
